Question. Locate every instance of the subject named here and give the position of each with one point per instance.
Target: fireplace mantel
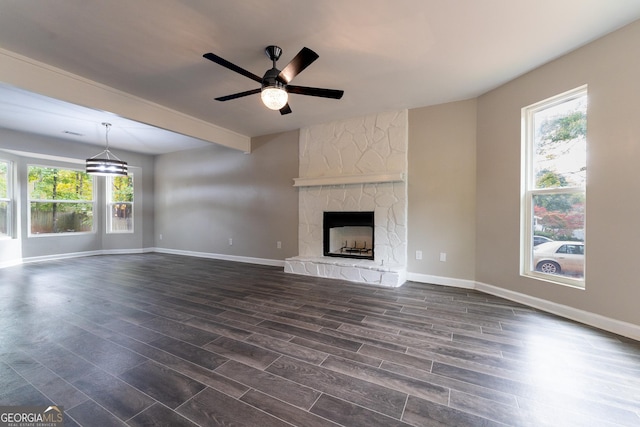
(349, 179)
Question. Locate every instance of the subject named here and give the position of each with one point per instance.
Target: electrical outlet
(418, 254)
(160, 236)
(279, 244)
(443, 256)
(230, 241)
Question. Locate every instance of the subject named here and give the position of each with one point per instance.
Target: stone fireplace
(357, 165)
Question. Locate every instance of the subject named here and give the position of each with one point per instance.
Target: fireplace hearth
(348, 234)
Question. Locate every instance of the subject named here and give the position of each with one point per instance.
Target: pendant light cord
(107, 152)
(106, 134)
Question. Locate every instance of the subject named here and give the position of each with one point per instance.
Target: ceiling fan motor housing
(270, 79)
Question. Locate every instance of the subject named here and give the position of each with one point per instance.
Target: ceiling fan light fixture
(109, 165)
(275, 85)
(274, 97)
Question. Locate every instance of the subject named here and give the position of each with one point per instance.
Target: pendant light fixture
(106, 163)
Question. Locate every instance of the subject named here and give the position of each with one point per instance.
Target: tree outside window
(555, 187)
(5, 199)
(120, 204)
(60, 200)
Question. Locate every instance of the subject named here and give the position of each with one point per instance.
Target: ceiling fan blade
(315, 91)
(233, 67)
(285, 110)
(238, 95)
(302, 60)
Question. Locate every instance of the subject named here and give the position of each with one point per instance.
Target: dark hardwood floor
(153, 339)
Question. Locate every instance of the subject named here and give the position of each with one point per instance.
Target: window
(60, 200)
(120, 204)
(5, 199)
(554, 188)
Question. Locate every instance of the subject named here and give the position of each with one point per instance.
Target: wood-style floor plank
(157, 339)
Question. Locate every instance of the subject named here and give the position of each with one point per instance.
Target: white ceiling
(385, 55)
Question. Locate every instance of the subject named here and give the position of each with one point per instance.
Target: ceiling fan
(274, 85)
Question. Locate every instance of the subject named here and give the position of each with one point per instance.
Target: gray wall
(442, 186)
(611, 68)
(34, 149)
(210, 195)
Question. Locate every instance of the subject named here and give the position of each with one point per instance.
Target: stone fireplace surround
(354, 165)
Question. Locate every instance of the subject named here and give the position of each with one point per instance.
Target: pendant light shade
(106, 167)
(106, 163)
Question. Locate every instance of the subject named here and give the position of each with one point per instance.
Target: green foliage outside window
(59, 184)
(564, 128)
(61, 200)
(122, 190)
(4, 199)
(560, 151)
(4, 179)
(120, 205)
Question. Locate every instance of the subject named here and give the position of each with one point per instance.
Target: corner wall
(442, 186)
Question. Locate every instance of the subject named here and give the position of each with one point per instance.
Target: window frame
(8, 198)
(31, 200)
(109, 203)
(529, 189)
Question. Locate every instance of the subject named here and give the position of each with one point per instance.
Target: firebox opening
(348, 234)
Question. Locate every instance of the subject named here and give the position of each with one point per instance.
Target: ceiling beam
(34, 76)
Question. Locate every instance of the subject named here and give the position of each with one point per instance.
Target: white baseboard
(11, 263)
(123, 251)
(596, 320)
(75, 255)
(60, 256)
(439, 280)
(248, 260)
